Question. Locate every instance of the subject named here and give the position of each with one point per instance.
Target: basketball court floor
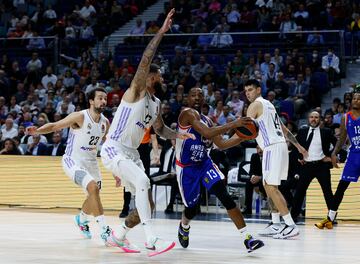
(36, 236)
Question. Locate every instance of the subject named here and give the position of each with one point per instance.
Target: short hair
(91, 95)
(154, 68)
(253, 82)
(337, 100)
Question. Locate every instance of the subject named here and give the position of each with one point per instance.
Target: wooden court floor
(34, 236)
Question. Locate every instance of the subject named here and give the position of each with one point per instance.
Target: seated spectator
(87, 10)
(221, 39)
(49, 15)
(153, 28)
(298, 94)
(225, 115)
(126, 65)
(340, 113)
(138, 29)
(57, 148)
(330, 64)
(233, 17)
(301, 15)
(287, 26)
(200, 68)
(315, 39)
(204, 41)
(236, 104)
(49, 77)
(328, 121)
(14, 107)
(9, 131)
(9, 148)
(34, 64)
(35, 147)
(86, 32)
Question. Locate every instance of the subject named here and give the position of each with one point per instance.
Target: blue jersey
(189, 151)
(353, 131)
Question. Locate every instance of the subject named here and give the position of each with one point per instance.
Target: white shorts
(275, 163)
(112, 155)
(82, 172)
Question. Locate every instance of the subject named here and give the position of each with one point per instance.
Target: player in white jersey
(87, 129)
(271, 139)
(139, 109)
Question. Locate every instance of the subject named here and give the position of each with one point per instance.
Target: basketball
(249, 131)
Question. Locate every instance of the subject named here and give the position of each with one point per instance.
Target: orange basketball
(249, 131)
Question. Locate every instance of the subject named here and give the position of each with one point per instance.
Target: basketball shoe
(158, 246)
(252, 244)
(83, 227)
(183, 235)
(124, 244)
(287, 232)
(271, 230)
(326, 222)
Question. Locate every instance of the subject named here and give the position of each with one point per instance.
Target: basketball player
(275, 162)
(194, 167)
(139, 109)
(350, 127)
(87, 129)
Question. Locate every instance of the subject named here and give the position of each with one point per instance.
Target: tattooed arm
(339, 143)
(138, 84)
(292, 139)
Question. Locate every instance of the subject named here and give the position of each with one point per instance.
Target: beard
(99, 110)
(159, 92)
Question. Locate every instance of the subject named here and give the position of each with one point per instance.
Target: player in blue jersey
(350, 127)
(194, 167)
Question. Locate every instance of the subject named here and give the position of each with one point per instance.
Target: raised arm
(74, 119)
(138, 84)
(339, 143)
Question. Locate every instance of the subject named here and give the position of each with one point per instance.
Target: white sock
(83, 217)
(148, 232)
(288, 220)
(101, 222)
(275, 218)
(123, 231)
(185, 226)
(332, 215)
(244, 233)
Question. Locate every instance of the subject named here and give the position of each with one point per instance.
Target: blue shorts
(191, 176)
(351, 170)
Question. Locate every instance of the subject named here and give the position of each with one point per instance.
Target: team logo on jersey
(147, 119)
(89, 126)
(102, 128)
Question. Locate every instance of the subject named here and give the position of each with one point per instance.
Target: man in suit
(36, 148)
(57, 148)
(255, 180)
(317, 165)
(299, 94)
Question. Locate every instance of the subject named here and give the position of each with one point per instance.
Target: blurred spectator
(49, 77)
(94, 84)
(204, 41)
(87, 10)
(9, 131)
(236, 104)
(340, 113)
(225, 115)
(9, 148)
(57, 148)
(287, 26)
(153, 28)
(138, 29)
(221, 39)
(126, 65)
(315, 39)
(298, 94)
(50, 15)
(35, 147)
(330, 64)
(201, 68)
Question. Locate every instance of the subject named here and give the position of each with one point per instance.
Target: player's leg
(189, 186)
(275, 168)
(141, 183)
(213, 180)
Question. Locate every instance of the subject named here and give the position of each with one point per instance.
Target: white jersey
(131, 119)
(82, 143)
(270, 131)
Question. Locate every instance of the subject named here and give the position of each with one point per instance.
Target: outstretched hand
(31, 130)
(185, 136)
(168, 21)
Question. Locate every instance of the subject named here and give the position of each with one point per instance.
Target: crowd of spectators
(291, 79)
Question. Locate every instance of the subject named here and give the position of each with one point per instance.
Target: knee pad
(190, 212)
(222, 194)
